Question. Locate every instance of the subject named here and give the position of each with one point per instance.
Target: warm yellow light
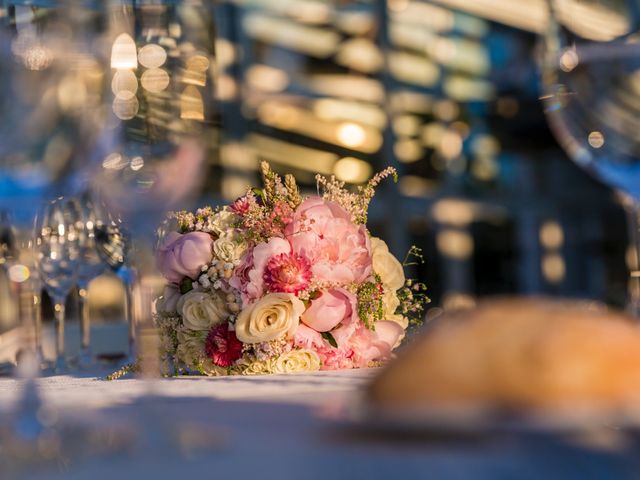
(408, 150)
(553, 268)
(485, 145)
(596, 139)
(454, 212)
(351, 134)
(113, 161)
(360, 54)
(551, 235)
(352, 170)
(191, 105)
(484, 168)
(414, 186)
(334, 109)
(406, 125)
(569, 60)
(72, 93)
(19, 273)
(198, 63)
(136, 163)
(125, 105)
(450, 144)
(226, 88)
(37, 57)
(225, 53)
(155, 80)
(267, 78)
(152, 56)
(124, 55)
(124, 81)
(234, 186)
(455, 244)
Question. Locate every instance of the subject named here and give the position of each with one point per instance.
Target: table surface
(284, 426)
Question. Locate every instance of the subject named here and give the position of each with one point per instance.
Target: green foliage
(329, 338)
(370, 306)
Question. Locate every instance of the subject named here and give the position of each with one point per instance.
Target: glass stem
(85, 327)
(633, 258)
(37, 321)
(59, 312)
(130, 319)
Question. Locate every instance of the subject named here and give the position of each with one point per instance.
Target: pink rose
(338, 250)
(262, 253)
(182, 256)
(330, 309)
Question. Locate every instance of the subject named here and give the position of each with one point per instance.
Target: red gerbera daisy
(222, 346)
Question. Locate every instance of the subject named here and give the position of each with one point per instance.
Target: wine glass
(113, 245)
(45, 89)
(159, 132)
(90, 266)
(58, 254)
(591, 94)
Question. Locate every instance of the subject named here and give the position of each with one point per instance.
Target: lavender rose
(182, 256)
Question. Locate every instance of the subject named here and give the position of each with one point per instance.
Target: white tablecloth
(277, 427)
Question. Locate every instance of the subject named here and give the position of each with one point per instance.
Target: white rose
(228, 247)
(273, 316)
(297, 361)
(386, 265)
(202, 310)
(190, 348)
(390, 303)
(222, 221)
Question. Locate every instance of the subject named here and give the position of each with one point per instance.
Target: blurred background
(447, 92)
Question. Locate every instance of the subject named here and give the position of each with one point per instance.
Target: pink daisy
(287, 272)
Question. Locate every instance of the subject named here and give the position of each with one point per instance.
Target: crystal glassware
(160, 129)
(57, 247)
(91, 265)
(591, 94)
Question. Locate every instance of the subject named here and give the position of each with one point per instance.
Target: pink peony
(323, 232)
(287, 272)
(182, 256)
(222, 346)
(308, 338)
(262, 253)
(330, 309)
(375, 345)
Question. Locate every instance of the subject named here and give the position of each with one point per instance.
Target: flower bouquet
(278, 282)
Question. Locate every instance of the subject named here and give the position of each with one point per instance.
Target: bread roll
(518, 354)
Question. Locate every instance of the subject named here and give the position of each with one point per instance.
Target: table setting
(245, 238)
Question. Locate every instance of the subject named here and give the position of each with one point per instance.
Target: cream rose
(202, 310)
(273, 316)
(228, 247)
(386, 265)
(257, 368)
(297, 361)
